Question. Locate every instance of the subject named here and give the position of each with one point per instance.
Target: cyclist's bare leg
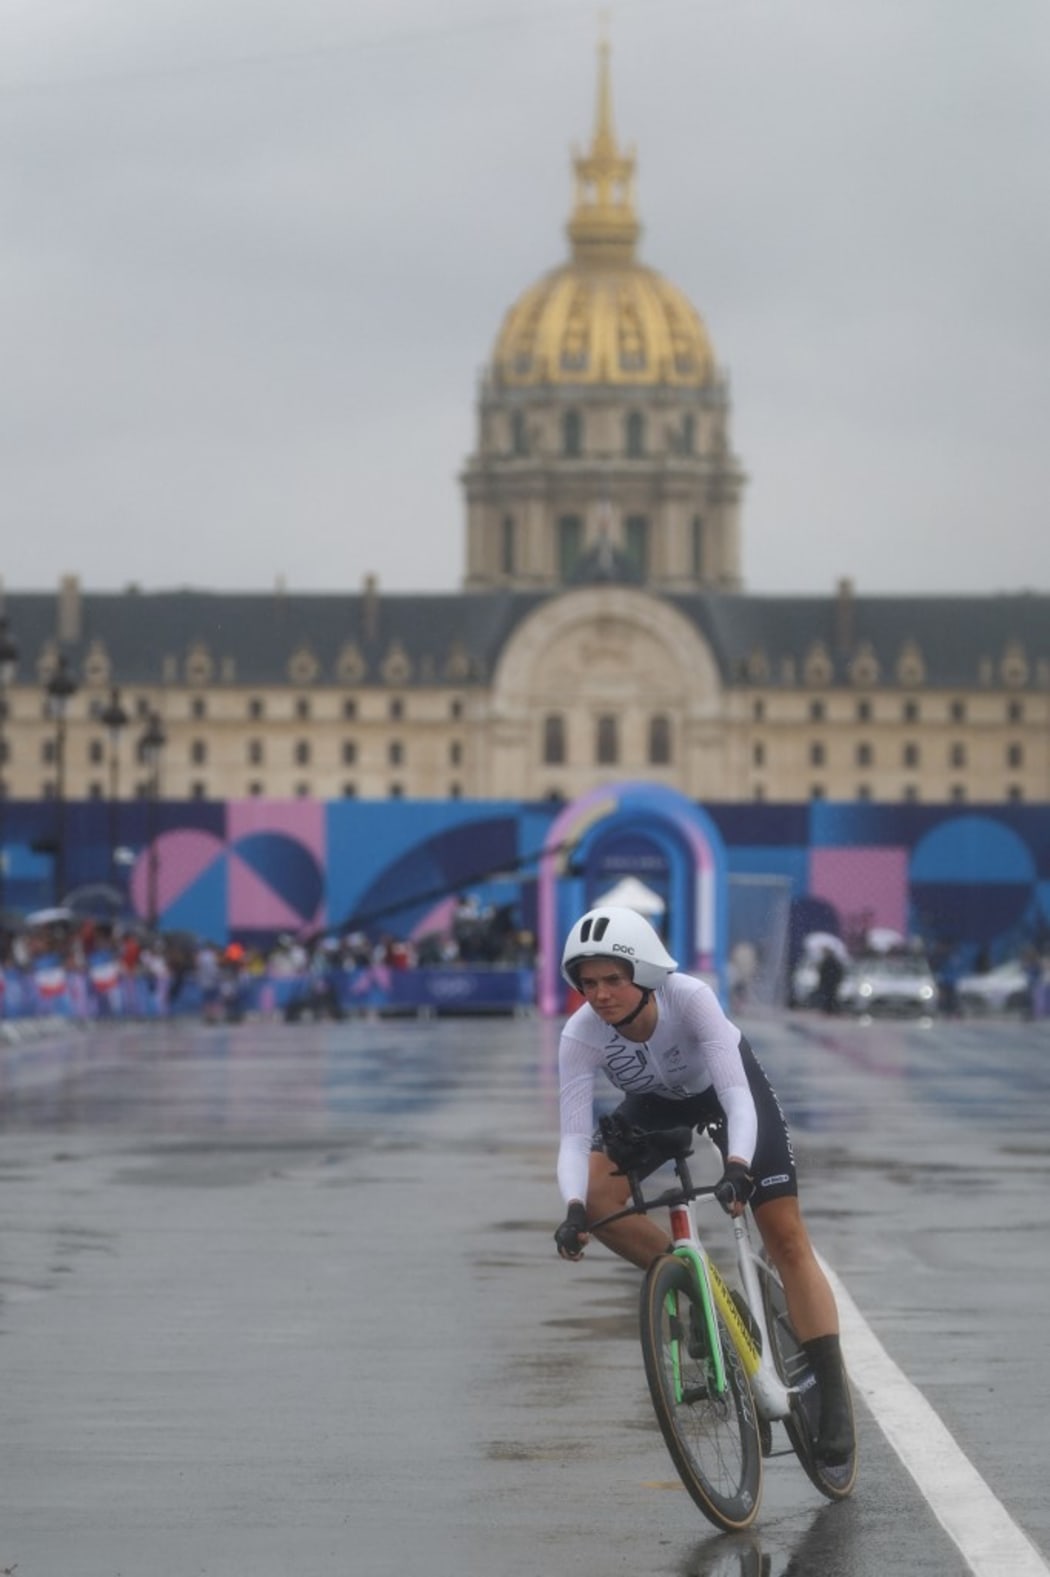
(810, 1300)
(811, 1306)
(636, 1238)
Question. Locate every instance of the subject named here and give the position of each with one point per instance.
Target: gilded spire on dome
(604, 226)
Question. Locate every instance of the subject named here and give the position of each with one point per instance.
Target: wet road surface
(284, 1299)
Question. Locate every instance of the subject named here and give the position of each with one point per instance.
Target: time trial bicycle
(723, 1363)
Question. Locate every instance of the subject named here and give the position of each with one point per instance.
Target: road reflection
(232, 1078)
(825, 1547)
(729, 1555)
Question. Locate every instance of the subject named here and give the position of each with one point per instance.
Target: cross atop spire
(604, 227)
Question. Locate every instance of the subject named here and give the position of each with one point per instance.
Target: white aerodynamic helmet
(612, 932)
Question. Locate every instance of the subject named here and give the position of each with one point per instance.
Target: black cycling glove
(567, 1236)
(735, 1186)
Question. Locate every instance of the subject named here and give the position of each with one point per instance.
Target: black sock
(825, 1354)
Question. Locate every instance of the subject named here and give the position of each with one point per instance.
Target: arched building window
(659, 741)
(607, 741)
(553, 739)
(634, 435)
(572, 435)
(636, 543)
(698, 546)
(570, 545)
(506, 546)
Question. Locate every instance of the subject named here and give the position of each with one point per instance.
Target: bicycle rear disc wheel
(713, 1440)
(835, 1481)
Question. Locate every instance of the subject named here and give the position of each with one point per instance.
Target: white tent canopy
(883, 939)
(630, 893)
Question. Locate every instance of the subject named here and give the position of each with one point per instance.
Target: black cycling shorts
(773, 1166)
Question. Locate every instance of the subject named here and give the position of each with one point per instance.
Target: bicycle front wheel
(713, 1440)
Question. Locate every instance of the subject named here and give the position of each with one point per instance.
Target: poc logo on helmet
(619, 947)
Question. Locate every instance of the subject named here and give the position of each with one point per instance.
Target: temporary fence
(56, 991)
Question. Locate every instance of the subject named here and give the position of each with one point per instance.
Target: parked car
(891, 985)
(1004, 989)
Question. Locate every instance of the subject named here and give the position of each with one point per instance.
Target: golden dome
(603, 317)
(624, 325)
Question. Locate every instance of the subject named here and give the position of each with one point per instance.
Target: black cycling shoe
(835, 1439)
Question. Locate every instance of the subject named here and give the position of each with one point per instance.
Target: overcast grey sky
(254, 257)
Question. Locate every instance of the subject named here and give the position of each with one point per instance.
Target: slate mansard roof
(455, 639)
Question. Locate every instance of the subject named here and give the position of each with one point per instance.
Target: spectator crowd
(58, 963)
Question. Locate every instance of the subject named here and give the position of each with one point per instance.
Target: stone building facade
(602, 631)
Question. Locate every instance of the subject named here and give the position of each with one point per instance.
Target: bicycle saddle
(636, 1151)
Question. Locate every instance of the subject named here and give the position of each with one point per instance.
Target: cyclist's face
(607, 986)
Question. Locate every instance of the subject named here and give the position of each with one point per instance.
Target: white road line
(989, 1540)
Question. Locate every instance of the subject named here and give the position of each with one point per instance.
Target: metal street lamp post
(8, 667)
(150, 747)
(114, 719)
(60, 688)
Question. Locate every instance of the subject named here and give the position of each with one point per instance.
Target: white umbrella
(51, 917)
(630, 893)
(818, 942)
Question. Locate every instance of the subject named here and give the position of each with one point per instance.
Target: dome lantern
(604, 227)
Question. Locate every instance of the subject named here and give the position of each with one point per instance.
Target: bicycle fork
(687, 1247)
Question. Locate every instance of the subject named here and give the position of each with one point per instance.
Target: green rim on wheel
(713, 1438)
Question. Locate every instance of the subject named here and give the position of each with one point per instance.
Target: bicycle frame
(772, 1397)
